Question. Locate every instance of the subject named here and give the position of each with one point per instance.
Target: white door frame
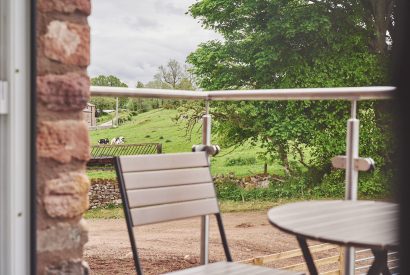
(15, 137)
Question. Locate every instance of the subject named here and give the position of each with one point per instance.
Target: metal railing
(347, 93)
(352, 94)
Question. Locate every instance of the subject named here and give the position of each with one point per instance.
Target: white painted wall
(15, 138)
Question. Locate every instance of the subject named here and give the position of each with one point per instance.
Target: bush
(296, 187)
(240, 161)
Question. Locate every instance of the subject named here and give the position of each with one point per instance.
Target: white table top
(368, 224)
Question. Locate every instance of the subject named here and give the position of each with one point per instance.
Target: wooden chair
(165, 187)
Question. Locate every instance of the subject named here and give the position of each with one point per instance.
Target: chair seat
(224, 268)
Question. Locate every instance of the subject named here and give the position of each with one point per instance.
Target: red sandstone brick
(74, 266)
(68, 43)
(63, 140)
(65, 6)
(69, 92)
(67, 196)
(63, 236)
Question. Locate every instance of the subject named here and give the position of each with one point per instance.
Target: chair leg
(223, 237)
(307, 255)
(380, 263)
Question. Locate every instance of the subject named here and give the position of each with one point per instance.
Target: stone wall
(63, 43)
(104, 193)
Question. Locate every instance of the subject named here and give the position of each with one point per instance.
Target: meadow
(159, 125)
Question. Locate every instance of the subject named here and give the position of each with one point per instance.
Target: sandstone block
(67, 196)
(68, 92)
(76, 266)
(68, 43)
(65, 6)
(63, 140)
(63, 236)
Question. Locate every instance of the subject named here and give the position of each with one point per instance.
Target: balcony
(351, 161)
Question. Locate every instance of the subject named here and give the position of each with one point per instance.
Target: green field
(158, 126)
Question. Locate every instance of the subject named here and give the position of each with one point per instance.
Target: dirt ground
(164, 247)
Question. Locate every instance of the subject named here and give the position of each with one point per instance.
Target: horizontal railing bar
(364, 259)
(353, 93)
(363, 250)
(346, 93)
(146, 93)
(362, 267)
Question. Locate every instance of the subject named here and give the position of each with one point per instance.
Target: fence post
(159, 148)
(206, 140)
(116, 111)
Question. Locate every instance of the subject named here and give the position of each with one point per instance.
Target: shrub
(240, 161)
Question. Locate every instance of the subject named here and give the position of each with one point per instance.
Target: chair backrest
(166, 187)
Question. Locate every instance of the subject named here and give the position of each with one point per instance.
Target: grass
(225, 206)
(157, 126)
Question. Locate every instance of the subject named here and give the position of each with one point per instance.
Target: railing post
(352, 152)
(206, 140)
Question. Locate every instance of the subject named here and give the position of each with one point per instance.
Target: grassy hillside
(158, 126)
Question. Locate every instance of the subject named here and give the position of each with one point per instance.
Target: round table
(367, 224)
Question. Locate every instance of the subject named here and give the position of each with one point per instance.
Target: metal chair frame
(131, 222)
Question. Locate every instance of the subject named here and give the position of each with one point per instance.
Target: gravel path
(163, 247)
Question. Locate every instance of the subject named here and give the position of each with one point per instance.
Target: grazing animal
(118, 140)
(104, 141)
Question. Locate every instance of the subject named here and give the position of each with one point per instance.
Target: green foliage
(104, 117)
(240, 161)
(102, 103)
(296, 188)
(290, 44)
(110, 81)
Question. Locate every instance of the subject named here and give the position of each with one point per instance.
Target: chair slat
(163, 195)
(173, 211)
(148, 179)
(163, 162)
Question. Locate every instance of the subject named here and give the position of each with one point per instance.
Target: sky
(130, 39)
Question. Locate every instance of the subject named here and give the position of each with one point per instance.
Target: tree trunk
(283, 156)
(381, 12)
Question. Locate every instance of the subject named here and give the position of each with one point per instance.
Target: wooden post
(341, 260)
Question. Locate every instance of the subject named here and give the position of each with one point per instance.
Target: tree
(173, 76)
(172, 73)
(140, 84)
(289, 44)
(108, 102)
(108, 81)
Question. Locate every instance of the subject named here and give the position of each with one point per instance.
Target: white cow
(117, 140)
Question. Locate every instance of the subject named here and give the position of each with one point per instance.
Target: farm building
(89, 115)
